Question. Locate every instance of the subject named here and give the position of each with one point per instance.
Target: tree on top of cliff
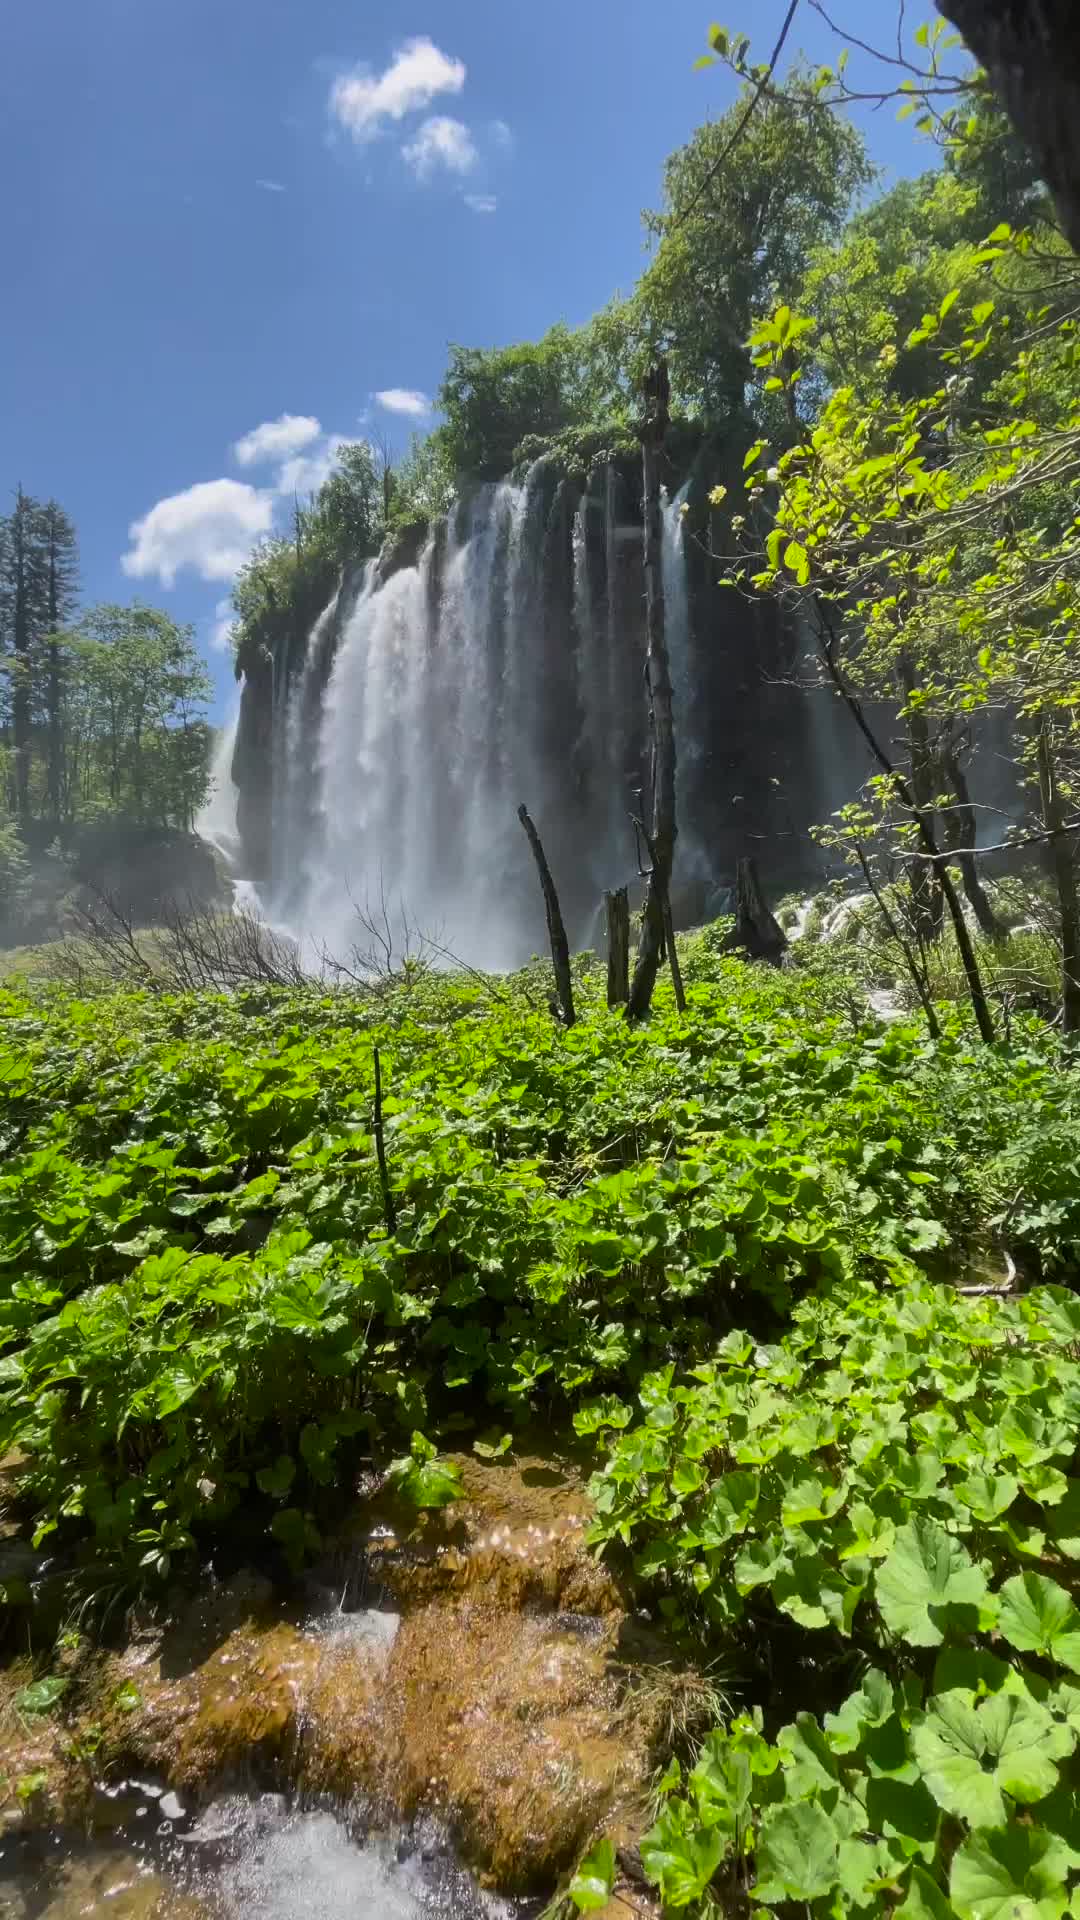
(730, 238)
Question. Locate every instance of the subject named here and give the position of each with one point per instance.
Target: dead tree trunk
(926, 897)
(980, 1006)
(1063, 867)
(912, 961)
(563, 1007)
(756, 932)
(618, 947)
(656, 912)
(958, 824)
(1031, 52)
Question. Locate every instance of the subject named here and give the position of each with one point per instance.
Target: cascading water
(452, 698)
(506, 664)
(216, 821)
(691, 862)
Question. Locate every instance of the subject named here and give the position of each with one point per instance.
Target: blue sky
(221, 213)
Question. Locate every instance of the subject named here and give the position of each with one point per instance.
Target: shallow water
(239, 1858)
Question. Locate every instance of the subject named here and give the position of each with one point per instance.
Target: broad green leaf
(905, 1811)
(729, 1505)
(809, 1500)
(808, 1758)
(681, 1863)
(972, 1752)
(988, 1496)
(927, 1575)
(797, 1853)
(591, 1885)
(759, 1562)
(925, 1900)
(1015, 1874)
(949, 1745)
(1038, 1616)
(871, 1706)
(277, 1480)
(41, 1696)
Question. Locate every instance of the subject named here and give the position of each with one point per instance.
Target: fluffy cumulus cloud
(306, 472)
(209, 528)
(404, 400)
(362, 101)
(222, 626)
(481, 202)
(276, 440)
(441, 144)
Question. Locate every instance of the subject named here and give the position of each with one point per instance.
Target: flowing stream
(243, 1856)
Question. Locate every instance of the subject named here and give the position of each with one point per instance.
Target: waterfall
(430, 734)
(504, 663)
(216, 820)
(692, 866)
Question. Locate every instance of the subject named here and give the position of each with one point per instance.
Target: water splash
(216, 821)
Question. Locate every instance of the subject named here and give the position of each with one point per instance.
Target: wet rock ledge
(475, 1666)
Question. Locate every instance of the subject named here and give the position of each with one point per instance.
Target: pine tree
(61, 567)
(20, 599)
(38, 593)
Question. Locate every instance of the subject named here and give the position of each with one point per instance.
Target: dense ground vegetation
(724, 1247)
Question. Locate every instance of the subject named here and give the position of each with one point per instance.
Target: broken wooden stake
(756, 932)
(560, 949)
(618, 947)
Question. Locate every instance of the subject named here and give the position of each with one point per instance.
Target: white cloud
(361, 101)
(307, 471)
(481, 202)
(404, 400)
(271, 186)
(210, 528)
(221, 631)
(276, 439)
(441, 142)
(502, 135)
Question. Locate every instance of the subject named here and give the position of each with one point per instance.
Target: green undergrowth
(724, 1245)
(887, 1500)
(201, 1300)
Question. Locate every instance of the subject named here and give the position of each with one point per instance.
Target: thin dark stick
(380, 1152)
(665, 909)
(729, 147)
(826, 636)
(560, 946)
(914, 966)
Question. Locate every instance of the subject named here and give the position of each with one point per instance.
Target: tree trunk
(56, 780)
(52, 690)
(20, 692)
(958, 824)
(560, 950)
(914, 965)
(756, 932)
(618, 947)
(1063, 867)
(980, 1006)
(656, 911)
(1031, 52)
(923, 876)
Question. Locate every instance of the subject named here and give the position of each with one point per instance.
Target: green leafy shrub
(201, 1310)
